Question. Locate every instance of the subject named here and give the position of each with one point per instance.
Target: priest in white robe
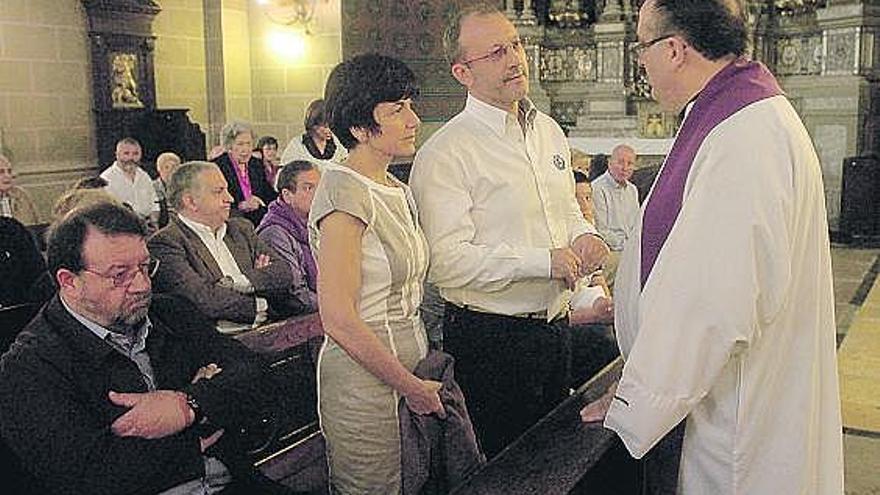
(724, 300)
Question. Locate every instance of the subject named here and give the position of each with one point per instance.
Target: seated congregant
(285, 228)
(244, 174)
(267, 152)
(15, 202)
(108, 390)
(616, 204)
(23, 276)
(215, 260)
(130, 184)
(317, 142)
(166, 164)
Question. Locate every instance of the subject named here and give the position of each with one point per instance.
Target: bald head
(622, 163)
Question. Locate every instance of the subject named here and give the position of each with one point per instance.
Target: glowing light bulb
(291, 45)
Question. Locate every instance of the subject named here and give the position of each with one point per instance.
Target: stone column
(214, 72)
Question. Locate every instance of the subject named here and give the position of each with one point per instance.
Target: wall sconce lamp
(293, 13)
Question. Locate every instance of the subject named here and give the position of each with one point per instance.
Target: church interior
(76, 76)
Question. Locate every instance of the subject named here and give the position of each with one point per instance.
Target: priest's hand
(151, 415)
(592, 252)
(596, 410)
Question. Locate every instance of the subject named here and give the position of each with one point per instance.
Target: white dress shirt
(213, 240)
(617, 209)
(139, 194)
(494, 198)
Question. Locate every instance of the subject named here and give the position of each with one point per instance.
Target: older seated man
(284, 228)
(15, 202)
(109, 391)
(166, 164)
(616, 204)
(216, 261)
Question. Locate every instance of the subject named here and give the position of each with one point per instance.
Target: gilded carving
(841, 49)
(568, 63)
(799, 55)
(123, 84)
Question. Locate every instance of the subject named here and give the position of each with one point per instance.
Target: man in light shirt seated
(616, 204)
(216, 261)
(127, 182)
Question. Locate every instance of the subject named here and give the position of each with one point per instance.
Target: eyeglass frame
(126, 278)
(498, 53)
(639, 48)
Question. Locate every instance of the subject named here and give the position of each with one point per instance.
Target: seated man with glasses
(110, 391)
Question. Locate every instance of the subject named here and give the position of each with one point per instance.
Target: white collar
(202, 229)
(495, 117)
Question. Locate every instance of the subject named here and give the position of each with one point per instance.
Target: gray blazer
(188, 269)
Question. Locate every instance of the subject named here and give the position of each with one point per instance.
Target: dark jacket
(56, 416)
(260, 187)
(187, 269)
(437, 454)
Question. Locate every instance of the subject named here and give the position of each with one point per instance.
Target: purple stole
(733, 88)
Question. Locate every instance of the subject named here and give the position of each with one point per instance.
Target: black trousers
(511, 370)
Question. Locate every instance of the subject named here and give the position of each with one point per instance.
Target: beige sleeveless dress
(357, 411)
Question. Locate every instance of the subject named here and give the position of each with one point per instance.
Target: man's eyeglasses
(639, 48)
(125, 278)
(497, 53)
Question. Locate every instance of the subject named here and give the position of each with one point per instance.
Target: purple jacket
(287, 233)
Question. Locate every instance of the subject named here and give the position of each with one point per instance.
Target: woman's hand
(426, 399)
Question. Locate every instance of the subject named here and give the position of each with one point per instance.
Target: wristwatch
(196, 409)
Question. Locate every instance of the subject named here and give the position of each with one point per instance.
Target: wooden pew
(560, 454)
(294, 452)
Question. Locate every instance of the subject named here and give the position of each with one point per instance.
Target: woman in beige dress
(372, 259)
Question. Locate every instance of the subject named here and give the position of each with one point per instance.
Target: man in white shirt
(724, 301)
(128, 182)
(496, 200)
(213, 260)
(616, 204)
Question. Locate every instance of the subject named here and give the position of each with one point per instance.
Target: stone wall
(180, 59)
(285, 82)
(45, 97)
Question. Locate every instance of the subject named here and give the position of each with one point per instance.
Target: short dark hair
(96, 182)
(315, 115)
(186, 179)
(128, 140)
(356, 86)
(266, 141)
(288, 174)
(452, 32)
(715, 28)
(67, 236)
(579, 177)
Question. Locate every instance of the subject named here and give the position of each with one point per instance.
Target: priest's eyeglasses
(498, 52)
(639, 48)
(126, 277)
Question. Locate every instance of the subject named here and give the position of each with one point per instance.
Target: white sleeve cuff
(641, 418)
(535, 263)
